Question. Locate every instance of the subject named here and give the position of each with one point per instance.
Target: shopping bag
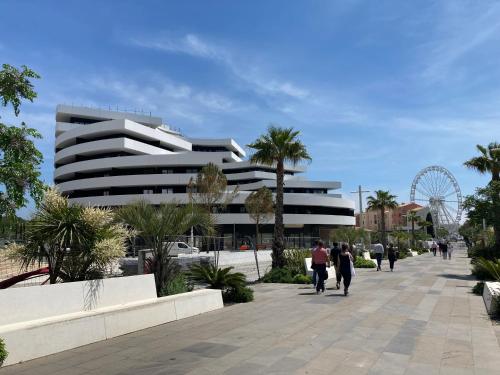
(353, 272)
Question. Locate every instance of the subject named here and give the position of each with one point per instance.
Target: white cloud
(245, 71)
(463, 28)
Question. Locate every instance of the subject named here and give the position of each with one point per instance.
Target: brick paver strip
(420, 319)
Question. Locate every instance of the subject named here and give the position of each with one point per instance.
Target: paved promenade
(421, 319)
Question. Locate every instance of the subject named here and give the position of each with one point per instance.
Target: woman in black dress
(345, 260)
(391, 255)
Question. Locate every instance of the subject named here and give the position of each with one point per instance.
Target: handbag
(353, 272)
(326, 275)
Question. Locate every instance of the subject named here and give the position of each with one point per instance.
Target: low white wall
(491, 297)
(43, 320)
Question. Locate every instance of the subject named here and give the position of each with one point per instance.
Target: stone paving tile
(421, 319)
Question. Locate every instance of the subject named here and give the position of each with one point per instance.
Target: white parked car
(179, 247)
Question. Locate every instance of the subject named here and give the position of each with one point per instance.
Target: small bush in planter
(478, 288)
(361, 262)
(3, 352)
(238, 295)
(278, 275)
(302, 279)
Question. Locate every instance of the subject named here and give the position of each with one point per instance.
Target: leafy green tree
(209, 189)
(160, 226)
(349, 235)
(442, 232)
(260, 207)
(484, 204)
(381, 201)
(401, 237)
(489, 162)
(19, 158)
(77, 242)
(277, 146)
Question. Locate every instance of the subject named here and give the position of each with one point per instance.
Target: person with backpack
(346, 267)
(378, 249)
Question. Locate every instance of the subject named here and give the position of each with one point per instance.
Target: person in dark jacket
(391, 255)
(334, 258)
(345, 260)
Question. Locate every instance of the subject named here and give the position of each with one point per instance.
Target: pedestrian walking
(378, 249)
(391, 255)
(450, 250)
(320, 260)
(434, 247)
(334, 258)
(315, 274)
(444, 249)
(346, 267)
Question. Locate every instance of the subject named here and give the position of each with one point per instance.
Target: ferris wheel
(436, 187)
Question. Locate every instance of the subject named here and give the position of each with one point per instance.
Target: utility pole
(360, 192)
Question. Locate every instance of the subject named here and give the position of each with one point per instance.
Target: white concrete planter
(81, 313)
(491, 297)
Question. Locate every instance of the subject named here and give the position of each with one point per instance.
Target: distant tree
(277, 146)
(442, 232)
(489, 162)
(260, 207)
(412, 217)
(19, 158)
(209, 189)
(348, 235)
(401, 237)
(381, 201)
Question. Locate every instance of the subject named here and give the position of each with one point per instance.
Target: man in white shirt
(378, 249)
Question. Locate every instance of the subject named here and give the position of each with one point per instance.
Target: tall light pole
(360, 192)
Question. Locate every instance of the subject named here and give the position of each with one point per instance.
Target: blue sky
(378, 89)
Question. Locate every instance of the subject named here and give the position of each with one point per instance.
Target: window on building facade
(147, 191)
(167, 191)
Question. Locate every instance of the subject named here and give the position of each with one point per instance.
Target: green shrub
(478, 288)
(3, 352)
(179, 284)
(421, 251)
(360, 262)
(302, 279)
(278, 275)
(238, 295)
(483, 252)
(216, 278)
(489, 269)
(294, 260)
(403, 253)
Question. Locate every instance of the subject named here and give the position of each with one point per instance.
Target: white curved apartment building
(110, 158)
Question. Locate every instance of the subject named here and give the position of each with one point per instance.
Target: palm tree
(383, 200)
(277, 146)
(412, 217)
(489, 162)
(160, 227)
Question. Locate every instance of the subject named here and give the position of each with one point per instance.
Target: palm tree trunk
(278, 243)
(382, 229)
(495, 179)
(255, 250)
(413, 234)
